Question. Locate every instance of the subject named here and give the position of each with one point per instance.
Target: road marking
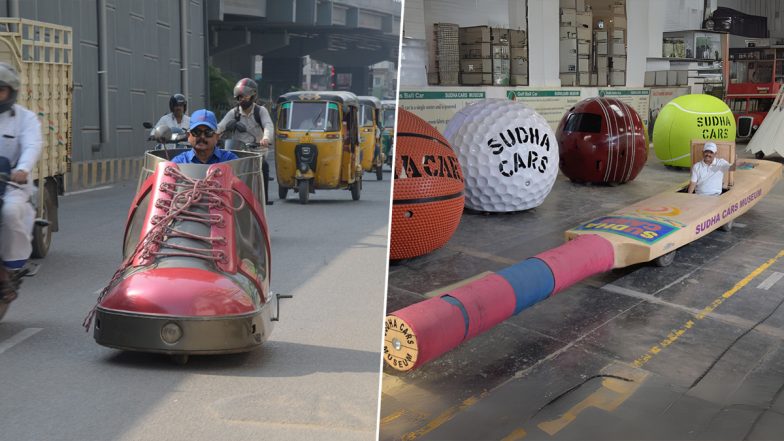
(17, 338)
(674, 335)
(620, 384)
(443, 418)
(88, 190)
(771, 280)
(515, 436)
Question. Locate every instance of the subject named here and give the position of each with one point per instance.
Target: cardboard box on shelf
(432, 78)
(476, 65)
(618, 49)
(519, 52)
(518, 80)
(499, 36)
(661, 77)
(672, 78)
(584, 79)
(650, 78)
(602, 63)
(475, 34)
(568, 79)
(584, 34)
(567, 46)
(518, 66)
(618, 63)
(476, 79)
(582, 64)
(583, 48)
(568, 16)
(580, 5)
(600, 35)
(568, 33)
(617, 78)
(501, 79)
(568, 66)
(480, 50)
(449, 78)
(518, 38)
(618, 9)
(619, 22)
(501, 65)
(584, 19)
(683, 78)
(601, 48)
(618, 34)
(602, 79)
(568, 4)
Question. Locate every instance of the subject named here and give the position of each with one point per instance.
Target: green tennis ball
(689, 117)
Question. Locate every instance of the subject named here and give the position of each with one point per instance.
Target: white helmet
(8, 78)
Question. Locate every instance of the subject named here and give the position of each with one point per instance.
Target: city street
(317, 377)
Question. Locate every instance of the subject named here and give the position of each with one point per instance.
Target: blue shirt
(218, 155)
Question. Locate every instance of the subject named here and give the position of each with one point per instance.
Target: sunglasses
(199, 133)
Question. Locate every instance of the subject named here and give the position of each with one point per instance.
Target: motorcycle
(167, 138)
(11, 281)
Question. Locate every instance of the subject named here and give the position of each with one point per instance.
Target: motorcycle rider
(21, 144)
(256, 124)
(177, 118)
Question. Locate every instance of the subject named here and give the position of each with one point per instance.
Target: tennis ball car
(688, 117)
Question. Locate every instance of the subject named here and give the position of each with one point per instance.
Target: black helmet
(178, 99)
(245, 87)
(9, 78)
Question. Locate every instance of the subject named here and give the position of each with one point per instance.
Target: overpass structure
(350, 35)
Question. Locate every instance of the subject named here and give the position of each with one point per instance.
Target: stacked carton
(617, 45)
(445, 63)
(584, 44)
(602, 58)
(567, 53)
(518, 54)
(501, 56)
(476, 62)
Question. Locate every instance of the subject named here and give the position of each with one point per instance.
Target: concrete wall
(143, 66)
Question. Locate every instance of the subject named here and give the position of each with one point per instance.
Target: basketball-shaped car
(428, 190)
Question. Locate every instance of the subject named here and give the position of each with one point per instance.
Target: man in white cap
(707, 175)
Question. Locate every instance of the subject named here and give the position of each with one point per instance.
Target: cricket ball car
(195, 274)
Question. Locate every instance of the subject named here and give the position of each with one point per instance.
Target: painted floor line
(771, 280)
(17, 338)
(733, 320)
(88, 190)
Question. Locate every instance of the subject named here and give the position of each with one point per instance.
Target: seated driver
(203, 137)
(707, 175)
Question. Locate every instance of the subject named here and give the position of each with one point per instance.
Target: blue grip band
(453, 301)
(532, 281)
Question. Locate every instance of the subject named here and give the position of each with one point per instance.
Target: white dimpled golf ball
(508, 153)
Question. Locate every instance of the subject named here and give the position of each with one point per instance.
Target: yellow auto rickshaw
(370, 131)
(317, 143)
(389, 113)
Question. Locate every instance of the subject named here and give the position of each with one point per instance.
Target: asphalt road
(316, 378)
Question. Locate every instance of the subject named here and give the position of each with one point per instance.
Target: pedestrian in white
(250, 122)
(707, 175)
(21, 143)
(177, 118)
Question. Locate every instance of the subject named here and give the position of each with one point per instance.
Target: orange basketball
(428, 194)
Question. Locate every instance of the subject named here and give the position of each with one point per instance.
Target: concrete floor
(565, 368)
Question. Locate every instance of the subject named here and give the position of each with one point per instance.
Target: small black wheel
(282, 191)
(356, 187)
(727, 226)
(379, 173)
(665, 260)
(303, 187)
(759, 155)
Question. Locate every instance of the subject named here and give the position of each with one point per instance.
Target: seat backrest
(725, 150)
